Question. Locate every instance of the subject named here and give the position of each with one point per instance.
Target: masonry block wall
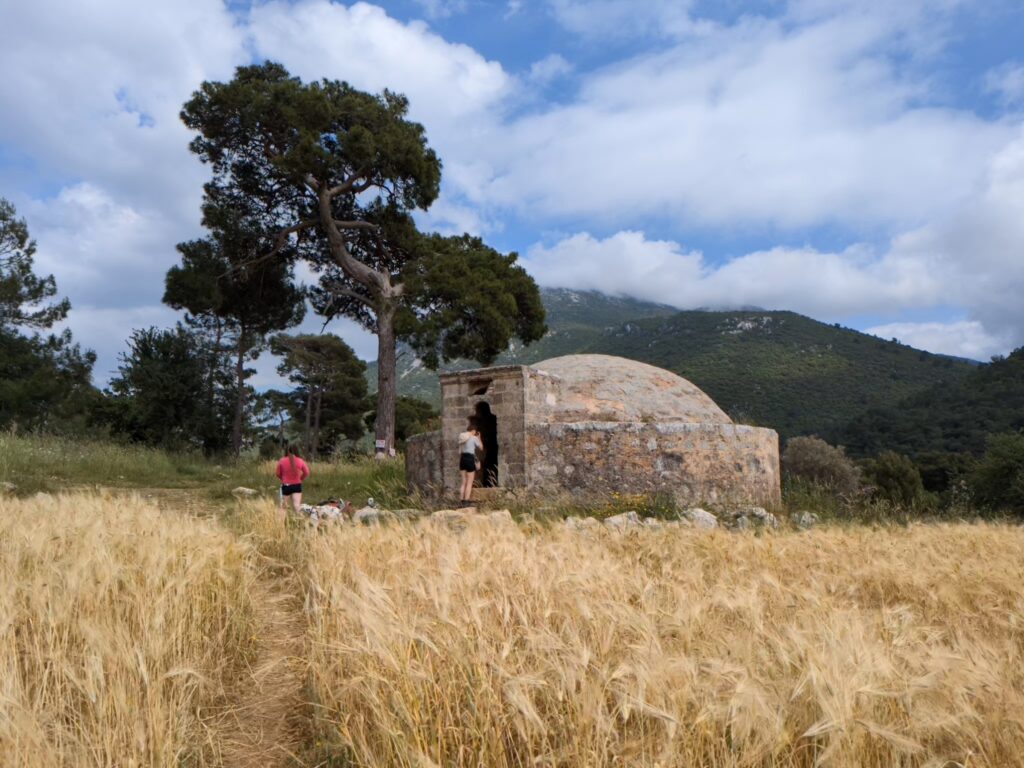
(694, 463)
(565, 433)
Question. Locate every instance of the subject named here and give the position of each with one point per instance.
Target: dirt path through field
(265, 722)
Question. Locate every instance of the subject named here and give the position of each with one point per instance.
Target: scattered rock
(7, 487)
(805, 519)
(369, 515)
(653, 522)
(763, 516)
(501, 517)
(456, 519)
(580, 523)
(241, 492)
(43, 496)
(700, 518)
(741, 523)
(623, 521)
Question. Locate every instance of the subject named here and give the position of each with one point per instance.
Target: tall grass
(119, 627)
(51, 463)
(503, 646)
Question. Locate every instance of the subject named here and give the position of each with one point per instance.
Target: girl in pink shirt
(291, 471)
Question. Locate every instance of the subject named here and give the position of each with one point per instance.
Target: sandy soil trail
(265, 723)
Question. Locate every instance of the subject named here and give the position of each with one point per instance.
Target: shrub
(895, 478)
(998, 479)
(811, 458)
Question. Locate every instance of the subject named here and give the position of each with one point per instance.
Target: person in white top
(469, 464)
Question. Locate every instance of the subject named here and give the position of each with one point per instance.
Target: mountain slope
(990, 399)
(776, 369)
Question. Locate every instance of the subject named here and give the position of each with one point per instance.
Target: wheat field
(503, 646)
(126, 633)
(119, 629)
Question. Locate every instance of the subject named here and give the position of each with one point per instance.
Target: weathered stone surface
(368, 515)
(653, 522)
(241, 492)
(741, 523)
(700, 518)
(501, 517)
(581, 523)
(805, 519)
(591, 425)
(7, 487)
(625, 520)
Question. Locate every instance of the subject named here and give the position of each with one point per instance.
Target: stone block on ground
(7, 487)
(581, 523)
(804, 519)
(700, 518)
(241, 492)
(620, 522)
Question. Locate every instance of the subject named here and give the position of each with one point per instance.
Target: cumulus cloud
(970, 259)
(1006, 82)
(963, 338)
(550, 68)
(756, 125)
(623, 19)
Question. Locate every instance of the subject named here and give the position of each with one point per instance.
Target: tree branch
(349, 183)
(354, 224)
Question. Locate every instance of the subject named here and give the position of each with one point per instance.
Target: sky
(858, 161)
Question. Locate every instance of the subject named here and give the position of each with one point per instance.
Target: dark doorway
(488, 424)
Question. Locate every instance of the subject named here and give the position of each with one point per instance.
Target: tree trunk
(316, 422)
(236, 433)
(386, 382)
(307, 438)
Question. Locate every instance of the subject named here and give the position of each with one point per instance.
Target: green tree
(160, 394)
(330, 395)
(811, 458)
(23, 293)
(895, 478)
(45, 381)
(235, 296)
(412, 416)
(338, 173)
(998, 478)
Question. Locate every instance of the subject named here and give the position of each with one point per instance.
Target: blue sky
(855, 160)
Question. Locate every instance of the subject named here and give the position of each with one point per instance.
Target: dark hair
(292, 451)
(474, 423)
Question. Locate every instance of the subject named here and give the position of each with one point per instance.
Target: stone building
(591, 425)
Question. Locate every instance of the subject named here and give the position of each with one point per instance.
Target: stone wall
(696, 463)
(423, 463)
(502, 389)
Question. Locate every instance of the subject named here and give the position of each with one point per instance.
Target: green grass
(37, 463)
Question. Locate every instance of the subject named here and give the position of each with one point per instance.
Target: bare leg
(281, 515)
(296, 502)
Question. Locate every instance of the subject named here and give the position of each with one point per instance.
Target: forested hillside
(952, 418)
(777, 369)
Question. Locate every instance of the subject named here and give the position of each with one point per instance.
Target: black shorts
(467, 462)
(288, 490)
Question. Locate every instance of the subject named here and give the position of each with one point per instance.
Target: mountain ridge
(771, 368)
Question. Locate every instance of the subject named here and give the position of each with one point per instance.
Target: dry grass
(119, 627)
(512, 647)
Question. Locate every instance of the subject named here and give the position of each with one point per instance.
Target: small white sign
(382, 444)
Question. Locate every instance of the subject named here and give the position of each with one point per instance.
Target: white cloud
(1006, 82)
(550, 68)
(964, 338)
(623, 19)
(970, 259)
(756, 125)
(448, 85)
(442, 9)
(826, 285)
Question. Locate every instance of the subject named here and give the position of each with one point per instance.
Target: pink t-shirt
(289, 476)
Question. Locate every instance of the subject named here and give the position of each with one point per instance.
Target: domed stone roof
(607, 388)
